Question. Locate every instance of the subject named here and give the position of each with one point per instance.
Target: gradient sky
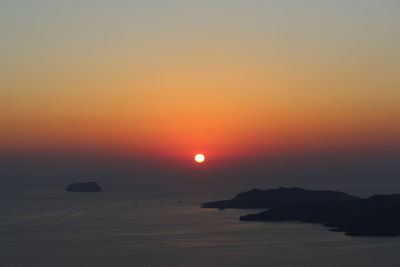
(173, 78)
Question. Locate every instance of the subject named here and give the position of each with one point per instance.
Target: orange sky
(199, 77)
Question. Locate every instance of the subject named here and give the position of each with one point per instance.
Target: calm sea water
(105, 229)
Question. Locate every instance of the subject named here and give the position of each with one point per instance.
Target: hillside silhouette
(374, 216)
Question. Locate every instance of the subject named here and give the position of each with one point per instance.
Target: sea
(111, 229)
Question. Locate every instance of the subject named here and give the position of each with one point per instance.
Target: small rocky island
(84, 187)
(374, 216)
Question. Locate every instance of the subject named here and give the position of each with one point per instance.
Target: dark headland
(378, 215)
(282, 196)
(84, 187)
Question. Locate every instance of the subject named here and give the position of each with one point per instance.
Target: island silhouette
(377, 215)
(89, 187)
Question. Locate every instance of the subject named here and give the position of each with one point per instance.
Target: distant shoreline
(374, 216)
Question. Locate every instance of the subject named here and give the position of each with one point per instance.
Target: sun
(199, 158)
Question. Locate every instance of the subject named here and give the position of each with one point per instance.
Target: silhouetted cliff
(376, 216)
(278, 197)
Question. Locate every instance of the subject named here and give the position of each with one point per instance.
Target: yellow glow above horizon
(248, 79)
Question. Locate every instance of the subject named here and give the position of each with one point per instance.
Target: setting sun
(199, 158)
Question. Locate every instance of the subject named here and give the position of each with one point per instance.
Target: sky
(154, 82)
